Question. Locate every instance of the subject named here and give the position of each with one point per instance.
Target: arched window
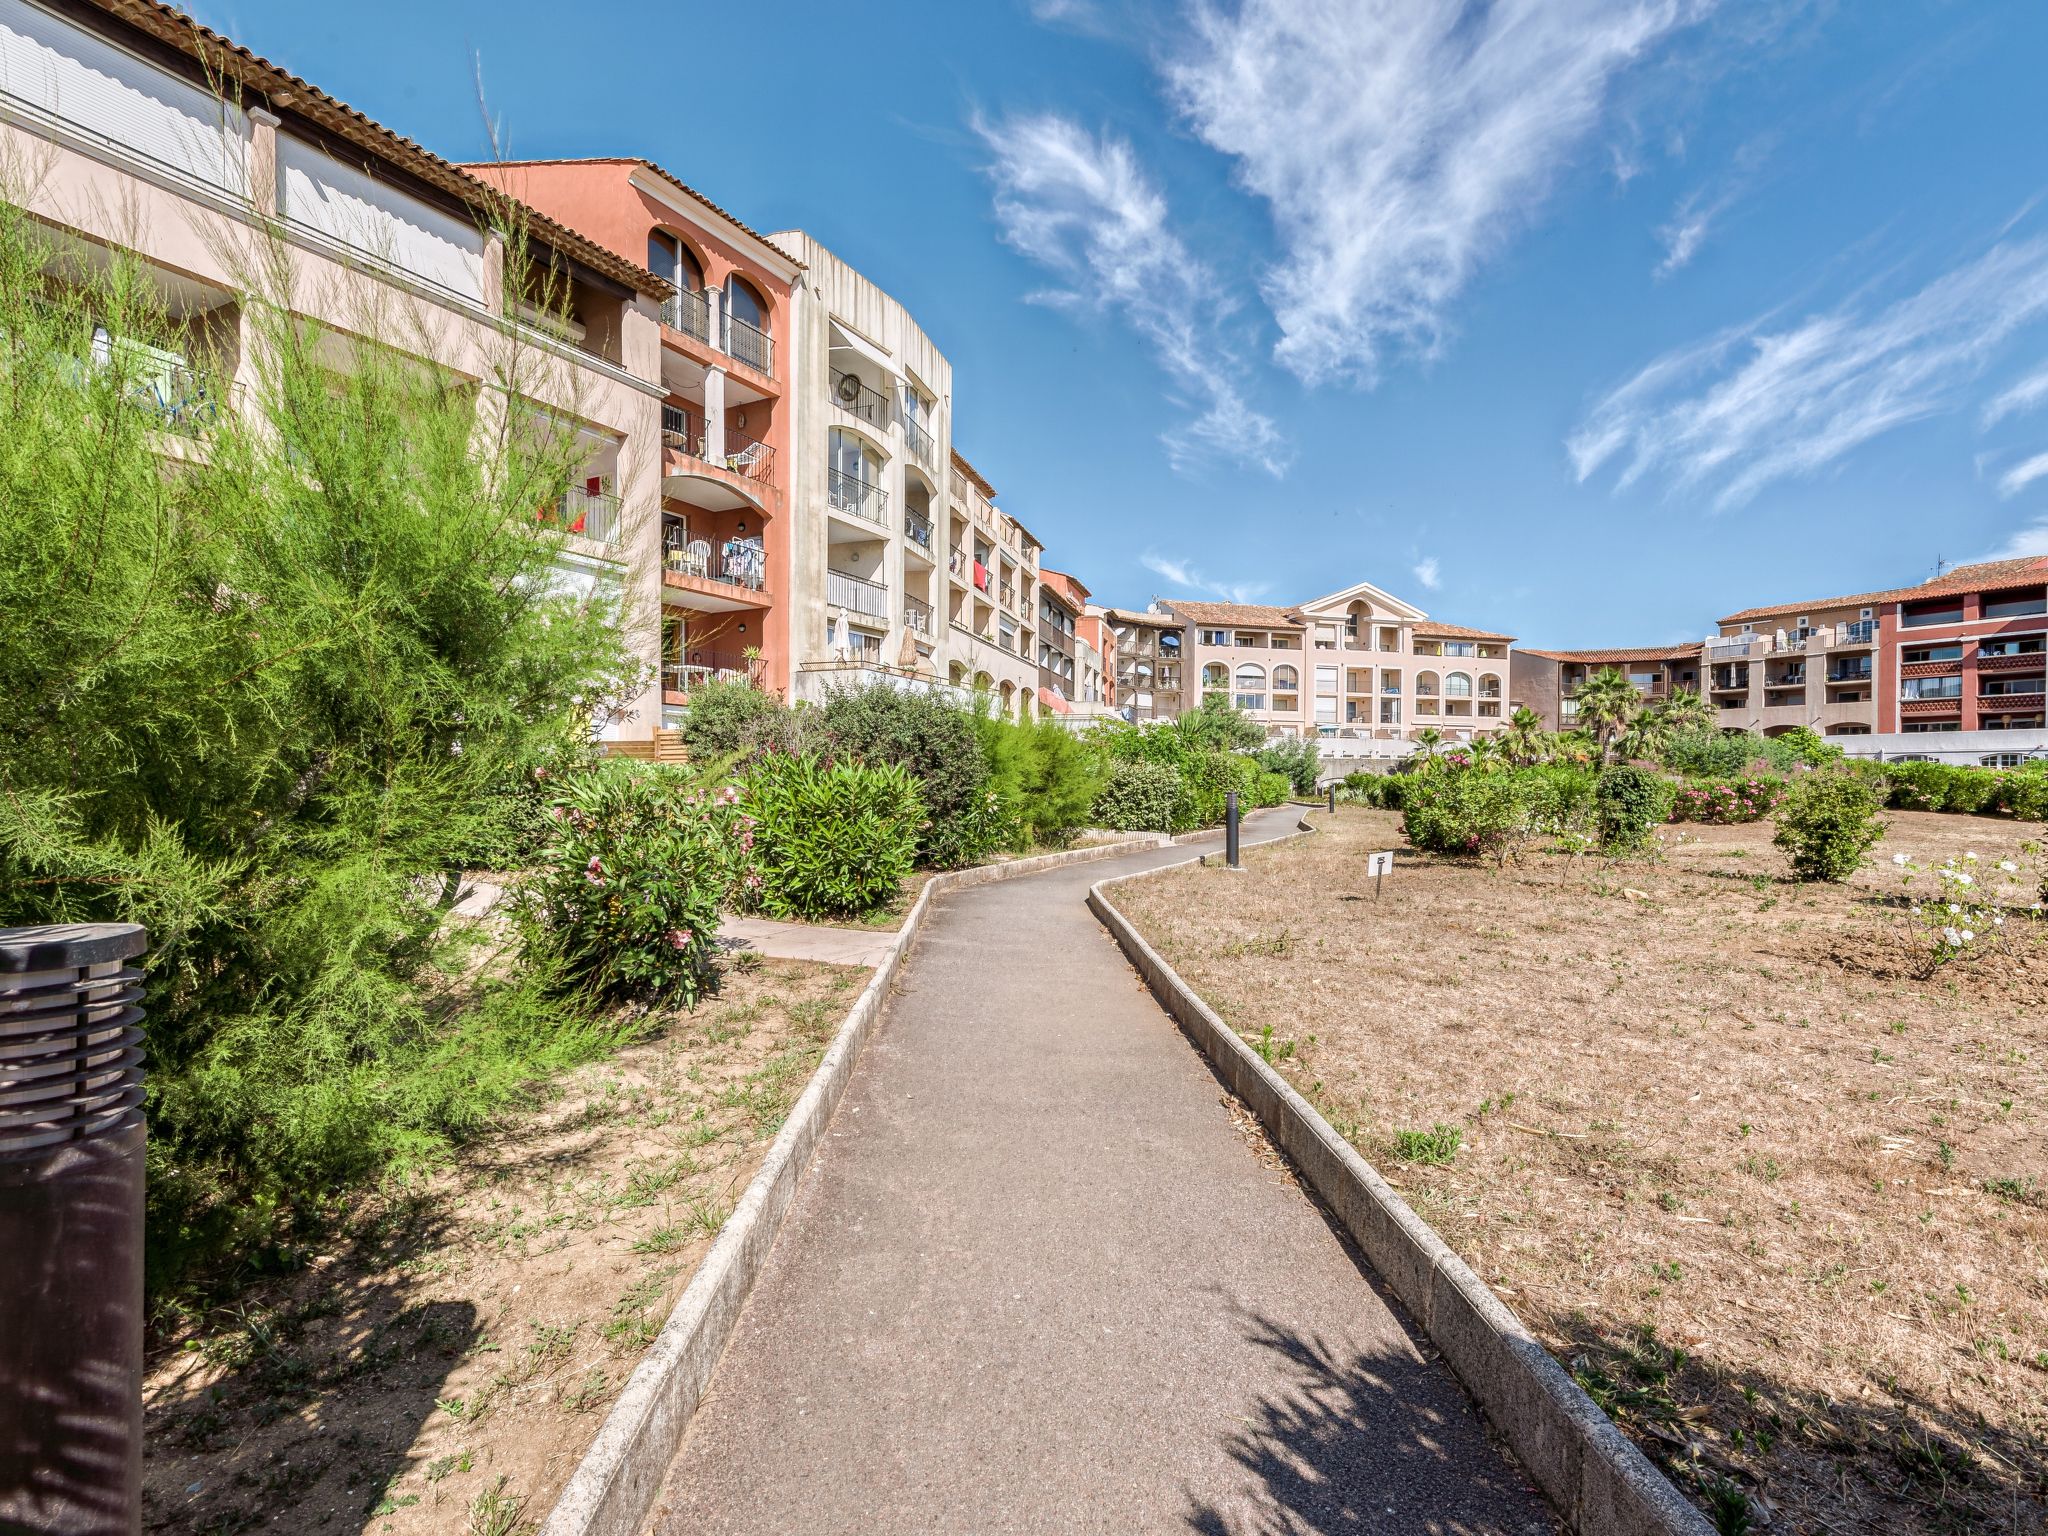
(1251, 687)
(668, 257)
(1215, 675)
(1489, 685)
(1425, 683)
(1457, 686)
(743, 303)
(1286, 680)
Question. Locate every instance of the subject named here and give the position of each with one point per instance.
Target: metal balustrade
(857, 593)
(860, 498)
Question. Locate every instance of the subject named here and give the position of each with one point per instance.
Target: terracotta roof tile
(1431, 629)
(1982, 576)
(1686, 652)
(1256, 615)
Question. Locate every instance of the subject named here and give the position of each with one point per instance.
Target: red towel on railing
(981, 575)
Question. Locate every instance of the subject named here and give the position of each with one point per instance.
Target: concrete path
(806, 941)
(1040, 1280)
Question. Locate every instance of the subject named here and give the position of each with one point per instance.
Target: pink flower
(679, 938)
(541, 775)
(594, 871)
(753, 881)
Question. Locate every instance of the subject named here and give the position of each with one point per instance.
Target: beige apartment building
(991, 595)
(1360, 668)
(1797, 664)
(1148, 675)
(129, 126)
(1548, 681)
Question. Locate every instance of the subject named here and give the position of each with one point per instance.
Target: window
(2015, 607)
(1390, 711)
(1457, 686)
(1925, 727)
(668, 257)
(1215, 675)
(1644, 681)
(1326, 711)
(1287, 680)
(2004, 759)
(1938, 610)
(1932, 688)
(1215, 637)
(1489, 686)
(1169, 643)
(853, 458)
(1915, 655)
(1251, 687)
(1326, 680)
(2011, 645)
(743, 303)
(2005, 685)
(1426, 684)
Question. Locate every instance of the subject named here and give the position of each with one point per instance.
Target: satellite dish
(847, 389)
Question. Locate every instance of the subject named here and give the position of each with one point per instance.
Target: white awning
(844, 340)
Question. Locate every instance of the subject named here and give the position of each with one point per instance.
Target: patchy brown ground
(1780, 1203)
(445, 1365)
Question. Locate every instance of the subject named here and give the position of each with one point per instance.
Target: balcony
(1859, 634)
(856, 497)
(856, 399)
(703, 667)
(2018, 661)
(1792, 679)
(592, 515)
(177, 396)
(2028, 696)
(1849, 674)
(690, 314)
(917, 615)
(920, 442)
(857, 594)
(749, 344)
(917, 529)
(736, 563)
(682, 430)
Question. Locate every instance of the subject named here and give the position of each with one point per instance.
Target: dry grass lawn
(444, 1366)
(1780, 1203)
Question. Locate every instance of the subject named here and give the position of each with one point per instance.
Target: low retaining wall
(613, 1488)
(1592, 1473)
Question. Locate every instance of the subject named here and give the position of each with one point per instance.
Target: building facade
(149, 133)
(1548, 681)
(723, 578)
(1360, 668)
(1061, 602)
(1148, 645)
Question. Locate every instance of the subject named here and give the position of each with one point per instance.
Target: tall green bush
(266, 697)
(1469, 815)
(1827, 824)
(941, 744)
(1297, 760)
(1139, 796)
(1044, 776)
(833, 837)
(722, 714)
(1629, 804)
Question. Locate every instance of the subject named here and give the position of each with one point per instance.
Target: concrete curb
(1601, 1483)
(614, 1486)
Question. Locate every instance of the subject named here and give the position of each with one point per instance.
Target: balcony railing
(689, 313)
(857, 593)
(682, 429)
(857, 399)
(1786, 680)
(748, 456)
(737, 562)
(180, 398)
(919, 441)
(1849, 675)
(917, 613)
(589, 514)
(857, 497)
(749, 344)
(702, 667)
(917, 529)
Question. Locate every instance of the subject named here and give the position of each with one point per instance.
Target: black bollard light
(71, 1184)
(1333, 799)
(1230, 829)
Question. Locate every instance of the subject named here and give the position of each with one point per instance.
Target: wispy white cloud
(1183, 575)
(1758, 403)
(2029, 393)
(2022, 475)
(1429, 573)
(1701, 209)
(1399, 143)
(1082, 207)
(2025, 542)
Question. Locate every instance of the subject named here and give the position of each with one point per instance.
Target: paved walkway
(807, 941)
(1038, 1280)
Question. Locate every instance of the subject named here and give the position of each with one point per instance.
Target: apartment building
(871, 424)
(1970, 650)
(130, 126)
(723, 580)
(1061, 602)
(1096, 645)
(1811, 664)
(991, 595)
(1148, 645)
(1548, 681)
(1359, 666)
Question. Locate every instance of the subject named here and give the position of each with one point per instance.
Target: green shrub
(720, 714)
(1629, 804)
(1558, 792)
(1704, 752)
(1943, 787)
(1218, 726)
(1298, 760)
(833, 838)
(796, 732)
(1469, 815)
(1044, 776)
(1727, 802)
(641, 859)
(1139, 796)
(1801, 746)
(1271, 789)
(1827, 824)
(945, 747)
(2024, 793)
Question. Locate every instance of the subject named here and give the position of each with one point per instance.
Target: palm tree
(1523, 737)
(1608, 702)
(1685, 710)
(1427, 740)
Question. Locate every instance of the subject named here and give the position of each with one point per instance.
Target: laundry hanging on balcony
(981, 575)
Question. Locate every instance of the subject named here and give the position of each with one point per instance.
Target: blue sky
(1587, 319)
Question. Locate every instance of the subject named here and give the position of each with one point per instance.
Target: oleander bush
(833, 837)
(1139, 796)
(1470, 815)
(1727, 802)
(1559, 792)
(643, 857)
(1828, 823)
(945, 746)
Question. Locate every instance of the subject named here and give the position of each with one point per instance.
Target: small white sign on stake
(1377, 865)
